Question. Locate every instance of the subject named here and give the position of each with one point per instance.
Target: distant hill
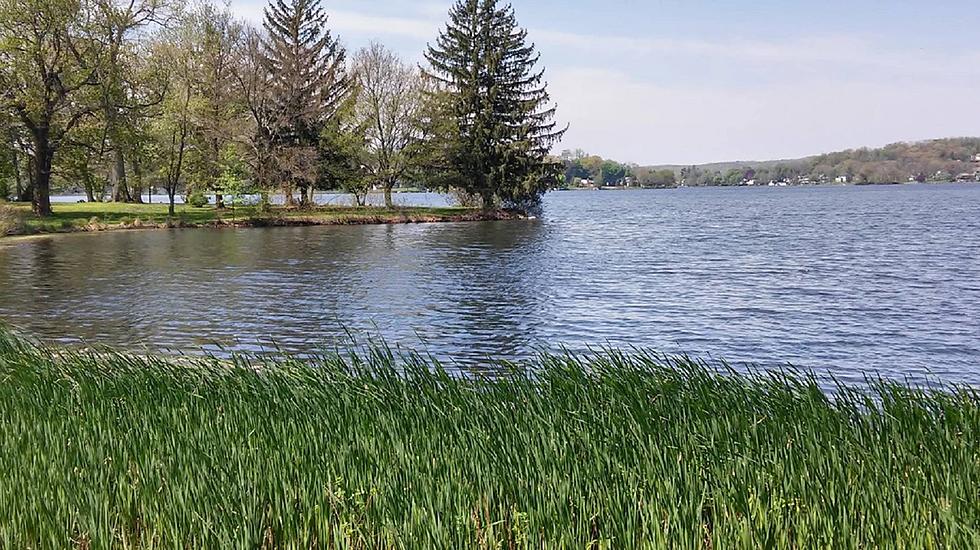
(728, 165)
(935, 160)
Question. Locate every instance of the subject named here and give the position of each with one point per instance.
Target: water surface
(846, 280)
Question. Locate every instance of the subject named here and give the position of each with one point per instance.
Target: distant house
(966, 177)
(976, 158)
(842, 179)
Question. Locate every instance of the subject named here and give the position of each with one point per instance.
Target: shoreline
(113, 217)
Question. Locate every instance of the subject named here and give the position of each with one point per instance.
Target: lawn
(69, 217)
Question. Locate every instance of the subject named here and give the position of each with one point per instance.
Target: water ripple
(851, 281)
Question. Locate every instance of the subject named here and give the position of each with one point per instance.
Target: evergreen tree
(494, 116)
(307, 84)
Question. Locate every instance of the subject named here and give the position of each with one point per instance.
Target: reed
(370, 449)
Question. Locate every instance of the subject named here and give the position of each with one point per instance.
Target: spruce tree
(308, 84)
(497, 122)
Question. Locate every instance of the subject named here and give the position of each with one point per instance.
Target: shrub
(12, 220)
(197, 199)
(462, 198)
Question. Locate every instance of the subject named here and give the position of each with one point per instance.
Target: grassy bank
(111, 216)
(611, 451)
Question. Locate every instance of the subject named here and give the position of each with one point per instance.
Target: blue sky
(679, 82)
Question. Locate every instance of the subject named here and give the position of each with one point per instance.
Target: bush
(12, 220)
(463, 199)
(197, 199)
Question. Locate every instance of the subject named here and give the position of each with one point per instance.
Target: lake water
(846, 280)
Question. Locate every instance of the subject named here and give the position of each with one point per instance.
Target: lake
(843, 280)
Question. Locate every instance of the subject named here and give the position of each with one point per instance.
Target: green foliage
(388, 107)
(197, 199)
(232, 174)
(307, 87)
(7, 165)
(492, 123)
(49, 55)
(343, 151)
(365, 449)
(215, 111)
(580, 168)
(941, 160)
(649, 177)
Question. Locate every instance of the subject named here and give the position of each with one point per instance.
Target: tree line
(940, 160)
(115, 96)
(584, 170)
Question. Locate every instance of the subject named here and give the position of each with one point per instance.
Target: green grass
(106, 216)
(367, 450)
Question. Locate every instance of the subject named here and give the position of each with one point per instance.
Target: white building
(842, 179)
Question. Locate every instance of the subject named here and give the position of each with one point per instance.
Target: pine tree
(497, 124)
(308, 84)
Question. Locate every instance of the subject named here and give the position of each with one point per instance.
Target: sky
(688, 81)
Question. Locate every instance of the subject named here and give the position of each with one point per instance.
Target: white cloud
(839, 51)
(830, 50)
(684, 100)
(376, 25)
(351, 22)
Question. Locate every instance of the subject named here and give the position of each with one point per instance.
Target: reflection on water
(850, 280)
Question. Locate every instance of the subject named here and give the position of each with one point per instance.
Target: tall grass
(372, 451)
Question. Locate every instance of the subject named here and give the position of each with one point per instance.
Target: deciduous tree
(121, 24)
(49, 56)
(218, 108)
(388, 108)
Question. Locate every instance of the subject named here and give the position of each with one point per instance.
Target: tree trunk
(312, 199)
(303, 198)
(137, 196)
(42, 174)
(219, 200)
(487, 200)
(89, 189)
(28, 192)
(19, 185)
(389, 203)
(15, 160)
(171, 194)
(120, 192)
(287, 191)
